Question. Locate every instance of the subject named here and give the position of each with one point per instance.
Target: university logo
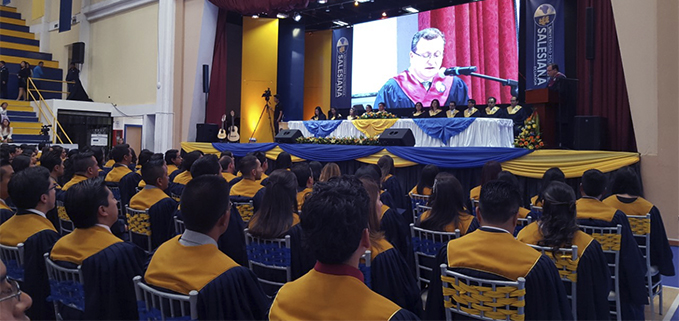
(544, 15)
(342, 45)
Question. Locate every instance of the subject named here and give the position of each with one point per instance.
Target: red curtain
(481, 34)
(608, 88)
(216, 103)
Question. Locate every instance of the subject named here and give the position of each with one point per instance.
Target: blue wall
(291, 68)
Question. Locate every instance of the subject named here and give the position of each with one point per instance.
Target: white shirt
(193, 238)
(104, 226)
(34, 211)
(499, 229)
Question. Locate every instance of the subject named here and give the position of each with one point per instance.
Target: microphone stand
(513, 84)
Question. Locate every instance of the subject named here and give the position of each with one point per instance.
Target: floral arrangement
(378, 115)
(339, 141)
(529, 137)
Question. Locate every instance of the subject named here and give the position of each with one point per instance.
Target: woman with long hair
(389, 182)
(488, 173)
(5, 131)
(23, 75)
(283, 161)
(426, 183)
(435, 109)
(333, 114)
(278, 210)
(389, 272)
(318, 114)
(329, 171)
(448, 212)
(419, 111)
(553, 174)
(558, 228)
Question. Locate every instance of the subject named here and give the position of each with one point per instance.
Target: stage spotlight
(356, 3)
(322, 1)
(384, 14)
(255, 16)
(297, 16)
(410, 9)
(281, 15)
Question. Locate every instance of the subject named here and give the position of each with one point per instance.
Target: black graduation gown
(391, 277)
(36, 283)
(397, 232)
(5, 214)
(232, 242)
(661, 252)
(128, 187)
(234, 295)
(394, 188)
(593, 285)
(109, 290)
(162, 224)
(175, 173)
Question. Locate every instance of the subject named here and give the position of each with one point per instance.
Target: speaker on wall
(206, 133)
(397, 137)
(288, 136)
(590, 132)
(206, 78)
(78, 52)
(589, 44)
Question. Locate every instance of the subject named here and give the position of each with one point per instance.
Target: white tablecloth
(483, 132)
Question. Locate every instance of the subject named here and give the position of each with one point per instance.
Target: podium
(545, 102)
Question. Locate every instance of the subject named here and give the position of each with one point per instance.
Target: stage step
(8, 14)
(18, 46)
(32, 61)
(24, 41)
(40, 56)
(14, 27)
(8, 9)
(27, 138)
(17, 34)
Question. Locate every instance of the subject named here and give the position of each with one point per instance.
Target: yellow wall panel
(38, 9)
(317, 68)
(260, 69)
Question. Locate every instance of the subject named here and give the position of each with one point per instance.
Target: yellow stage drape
(373, 127)
(273, 154)
(206, 148)
(398, 161)
(573, 163)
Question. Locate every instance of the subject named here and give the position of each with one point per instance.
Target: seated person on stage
(202, 266)
(352, 114)
(419, 112)
(427, 179)
(390, 183)
(553, 174)
(591, 211)
(84, 166)
(173, 159)
(122, 155)
(626, 190)
(492, 252)
(13, 301)
(510, 178)
(305, 182)
(154, 172)
(517, 113)
(183, 177)
(447, 212)
(489, 172)
(471, 110)
(261, 156)
(381, 108)
(334, 115)
(335, 289)
(494, 111)
(318, 114)
(228, 168)
(368, 108)
(6, 173)
(558, 228)
(390, 275)
(435, 110)
(452, 110)
(252, 173)
(34, 195)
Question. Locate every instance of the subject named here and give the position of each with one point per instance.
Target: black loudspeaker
(206, 133)
(590, 132)
(397, 137)
(78, 52)
(206, 78)
(288, 136)
(589, 45)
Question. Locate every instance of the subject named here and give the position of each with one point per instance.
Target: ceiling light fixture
(322, 1)
(281, 15)
(384, 14)
(255, 16)
(340, 23)
(410, 9)
(356, 3)
(297, 16)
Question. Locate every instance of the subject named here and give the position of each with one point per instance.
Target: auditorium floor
(670, 297)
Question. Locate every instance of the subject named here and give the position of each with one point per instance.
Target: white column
(44, 28)
(84, 37)
(164, 87)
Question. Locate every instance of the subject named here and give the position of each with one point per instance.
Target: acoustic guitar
(222, 132)
(233, 136)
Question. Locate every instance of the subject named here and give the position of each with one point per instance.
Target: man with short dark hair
(228, 168)
(85, 166)
(261, 156)
(305, 182)
(155, 173)
(122, 155)
(206, 165)
(492, 252)
(53, 162)
(471, 110)
(590, 210)
(492, 110)
(335, 289)
(555, 76)
(192, 261)
(252, 173)
(173, 160)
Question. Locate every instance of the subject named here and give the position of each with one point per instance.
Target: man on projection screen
(422, 82)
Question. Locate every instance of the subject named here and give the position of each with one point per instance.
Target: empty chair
(155, 304)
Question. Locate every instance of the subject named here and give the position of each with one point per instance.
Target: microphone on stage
(456, 71)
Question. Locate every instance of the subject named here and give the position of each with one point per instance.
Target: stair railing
(56, 126)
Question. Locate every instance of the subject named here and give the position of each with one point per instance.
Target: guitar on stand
(233, 135)
(222, 133)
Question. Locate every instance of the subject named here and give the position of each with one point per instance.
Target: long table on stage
(432, 132)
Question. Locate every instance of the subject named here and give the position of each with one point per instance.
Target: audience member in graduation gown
(558, 228)
(329, 171)
(155, 174)
(390, 183)
(494, 111)
(489, 172)
(226, 289)
(517, 114)
(261, 156)
(13, 301)
(33, 193)
(447, 212)
(591, 211)
(511, 179)
(471, 110)
(419, 111)
(452, 111)
(122, 155)
(435, 110)
(492, 252)
(553, 174)
(335, 220)
(51, 160)
(108, 264)
(304, 182)
(6, 173)
(390, 275)
(276, 218)
(173, 159)
(85, 166)
(426, 183)
(183, 177)
(228, 168)
(252, 171)
(627, 198)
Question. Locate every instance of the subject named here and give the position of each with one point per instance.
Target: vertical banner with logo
(544, 40)
(342, 47)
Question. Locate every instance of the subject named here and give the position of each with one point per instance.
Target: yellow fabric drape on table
(373, 127)
(398, 161)
(573, 163)
(206, 148)
(273, 153)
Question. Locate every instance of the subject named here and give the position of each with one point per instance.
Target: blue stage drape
(321, 128)
(329, 153)
(443, 128)
(457, 157)
(65, 9)
(240, 150)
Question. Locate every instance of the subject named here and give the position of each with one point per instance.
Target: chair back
(176, 197)
(13, 257)
(66, 286)
(365, 265)
(641, 229)
(482, 299)
(566, 261)
(610, 239)
(269, 254)
(244, 206)
(475, 204)
(537, 210)
(522, 222)
(419, 211)
(178, 225)
(139, 227)
(155, 304)
(65, 224)
(416, 200)
(426, 244)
